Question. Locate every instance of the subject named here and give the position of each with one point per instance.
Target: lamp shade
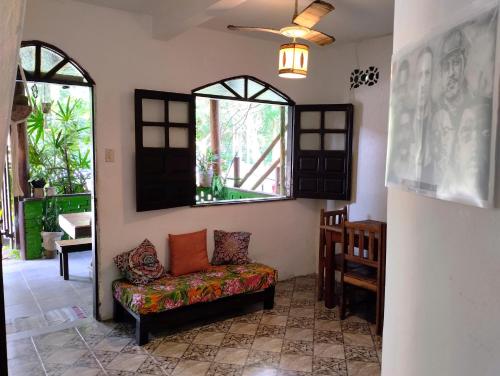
(293, 59)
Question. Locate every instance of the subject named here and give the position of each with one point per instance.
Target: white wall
(371, 113)
(443, 263)
(118, 51)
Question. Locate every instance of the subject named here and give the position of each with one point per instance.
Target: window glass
(334, 141)
(254, 88)
(238, 85)
(310, 120)
(335, 120)
(217, 90)
(270, 95)
(49, 60)
(153, 137)
(310, 141)
(28, 58)
(153, 110)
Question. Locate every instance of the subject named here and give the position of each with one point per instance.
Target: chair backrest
(333, 217)
(364, 242)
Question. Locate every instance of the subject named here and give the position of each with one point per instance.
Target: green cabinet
(30, 220)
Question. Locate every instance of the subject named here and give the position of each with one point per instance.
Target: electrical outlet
(109, 155)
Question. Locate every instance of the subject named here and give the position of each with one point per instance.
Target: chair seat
(173, 292)
(360, 280)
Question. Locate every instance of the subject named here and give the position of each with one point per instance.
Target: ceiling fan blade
(249, 28)
(311, 15)
(321, 39)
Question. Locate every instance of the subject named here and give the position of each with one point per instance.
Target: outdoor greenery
(60, 144)
(50, 215)
(246, 130)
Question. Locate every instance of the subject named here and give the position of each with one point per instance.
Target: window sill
(242, 201)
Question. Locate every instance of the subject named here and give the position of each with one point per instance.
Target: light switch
(109, 155)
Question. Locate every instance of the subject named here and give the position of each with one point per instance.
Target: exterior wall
(443, 263)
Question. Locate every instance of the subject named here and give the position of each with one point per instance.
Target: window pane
(69, 71)
(238, 85)
(253, 88)
(178, 137)
(216, 89)
(310, 120)
(153, 110)
(270, 95)
(49, 60)
(153, 137)
(334, 141)
(335, 119)
(178, 112)
(28, 58)
(310, 141)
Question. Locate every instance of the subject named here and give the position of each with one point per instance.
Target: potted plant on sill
(204, 164)
(50, 227)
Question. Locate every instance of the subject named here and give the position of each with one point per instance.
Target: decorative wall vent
(369, 77)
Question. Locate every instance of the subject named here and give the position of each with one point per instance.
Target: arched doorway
(54, 146)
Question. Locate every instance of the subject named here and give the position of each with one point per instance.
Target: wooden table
(76, 225)
(333, 236)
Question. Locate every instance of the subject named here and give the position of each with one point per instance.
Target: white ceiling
(352, 20)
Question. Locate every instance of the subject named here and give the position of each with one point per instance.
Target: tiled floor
(35, 287)
(298, 337)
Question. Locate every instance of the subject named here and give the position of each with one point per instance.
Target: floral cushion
(140, 265)
(172, 292)
(231, 248)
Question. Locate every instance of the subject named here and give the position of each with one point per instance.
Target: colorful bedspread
(172, 292)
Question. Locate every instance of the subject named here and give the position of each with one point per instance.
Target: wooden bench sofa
(172, 300)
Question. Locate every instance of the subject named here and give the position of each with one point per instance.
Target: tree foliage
(60, 144)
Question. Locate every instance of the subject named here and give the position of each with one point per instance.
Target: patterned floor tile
(263, 358)
(356, 327)
(329, 366)
(297, 347)
(271, 331)
(299, 337)
(242, 341)
(364, 354)
(202, 353)
(324, 336)
(220, 369)
(300, 322)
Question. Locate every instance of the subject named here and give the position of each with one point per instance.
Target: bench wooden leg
(60, 264)
(269, 298)
(118, 311)
(141, 332)
(65, 266)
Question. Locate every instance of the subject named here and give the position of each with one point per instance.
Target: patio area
(38, 300)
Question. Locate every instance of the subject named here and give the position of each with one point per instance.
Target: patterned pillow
(231, 248)
(140, 265)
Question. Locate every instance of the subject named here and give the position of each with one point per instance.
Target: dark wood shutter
(323, 151)
(165, 148)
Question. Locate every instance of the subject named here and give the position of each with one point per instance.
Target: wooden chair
(363, 263)
(330, 233)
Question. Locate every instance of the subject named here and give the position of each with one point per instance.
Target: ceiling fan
(301, 24)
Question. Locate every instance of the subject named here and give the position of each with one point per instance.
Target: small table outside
(79, 229)
(76, 225)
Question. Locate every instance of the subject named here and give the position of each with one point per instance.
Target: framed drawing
(444, 109)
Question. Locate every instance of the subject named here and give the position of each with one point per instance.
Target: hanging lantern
(293, 59)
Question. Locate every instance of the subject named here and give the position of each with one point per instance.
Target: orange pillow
(188, 253)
